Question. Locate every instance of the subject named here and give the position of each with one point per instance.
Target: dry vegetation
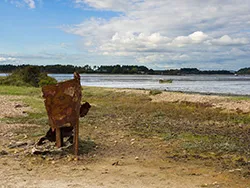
(180, 135)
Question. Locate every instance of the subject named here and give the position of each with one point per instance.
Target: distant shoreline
(121, 69)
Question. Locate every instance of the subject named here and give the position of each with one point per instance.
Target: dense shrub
(28, 76)
(46, 80)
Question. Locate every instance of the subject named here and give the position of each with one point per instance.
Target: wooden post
(58, 138)
(76, 137)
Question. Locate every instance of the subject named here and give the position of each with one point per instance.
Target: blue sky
(160, 34)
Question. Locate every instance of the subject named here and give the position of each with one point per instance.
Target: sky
(159, 34)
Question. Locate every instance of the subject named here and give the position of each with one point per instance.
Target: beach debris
(17, 145)
(63, 103)
(163, 81)
(65, 131)
(49, 148)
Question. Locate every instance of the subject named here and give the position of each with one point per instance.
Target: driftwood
(63, 102)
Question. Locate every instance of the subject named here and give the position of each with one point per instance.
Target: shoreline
(200, 93)
(174, 91)
(237, 104)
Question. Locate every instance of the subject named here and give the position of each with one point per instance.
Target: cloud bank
(213, 34)
(168, 33)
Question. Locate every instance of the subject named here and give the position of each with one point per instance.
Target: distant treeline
(244, 71)
(118, 69)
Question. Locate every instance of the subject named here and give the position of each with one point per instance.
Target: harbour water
(208, 84)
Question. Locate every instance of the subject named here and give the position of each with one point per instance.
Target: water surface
(214, 84)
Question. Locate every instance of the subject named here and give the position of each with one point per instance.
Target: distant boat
(168, 81)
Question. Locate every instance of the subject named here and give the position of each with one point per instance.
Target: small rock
(18, 106)
(85, 168)
(204, 185)
(53, 162)
(115, 163)
(9, 134)
(76, 159)
(136, 158)
(132, 140)
(3, 152)
(233, 170)
(215, 183)
(105, 171)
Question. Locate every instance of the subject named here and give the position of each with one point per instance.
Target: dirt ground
(121, 161)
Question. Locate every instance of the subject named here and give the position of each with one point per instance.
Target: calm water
(219, 84)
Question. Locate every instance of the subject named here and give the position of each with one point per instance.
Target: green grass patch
(208, 144)
(36, 103)
(31, 118)
(19, 90)
(240, 98)
(86, 146)
(155, 92)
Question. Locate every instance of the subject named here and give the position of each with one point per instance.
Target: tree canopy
(117, 69)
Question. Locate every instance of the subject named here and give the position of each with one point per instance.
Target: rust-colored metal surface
(63, 102)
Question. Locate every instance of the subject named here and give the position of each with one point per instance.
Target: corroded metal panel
(63, 101)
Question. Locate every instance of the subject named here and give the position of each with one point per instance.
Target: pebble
(18, 106)
(85, 168)
(3, 152)
(233, 170)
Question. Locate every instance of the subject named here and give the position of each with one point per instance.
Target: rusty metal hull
(62, 103)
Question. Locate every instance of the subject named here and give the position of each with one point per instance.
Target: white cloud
(157, 21)
(30, 3)
(198, 37)
(7, 59)
(227, 40)
(150, 58)
(194, 38)
(131, 42)
(115, 5)
(21, 3)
